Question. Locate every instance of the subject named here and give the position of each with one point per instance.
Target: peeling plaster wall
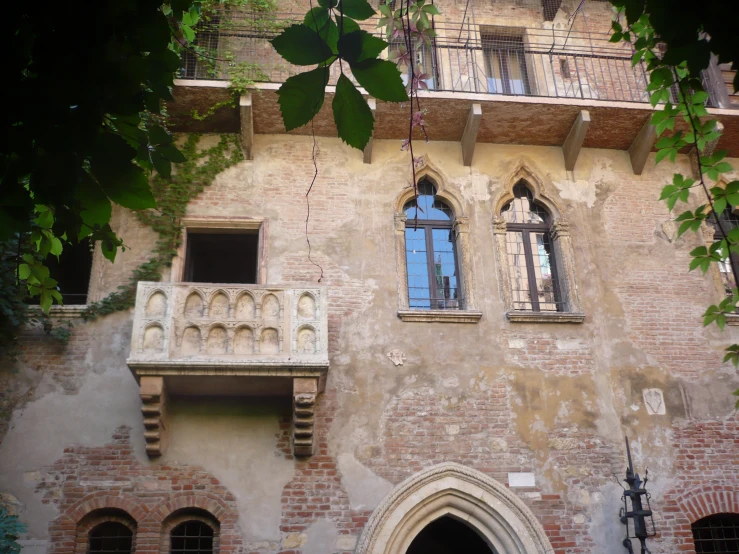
(552, 400)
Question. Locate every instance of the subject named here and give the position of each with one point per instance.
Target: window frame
(98, 517)
(177, 518)
(217, 225)
(497, 49)
(428, 225)
(460, 228)
(562, 255)
(526, 229)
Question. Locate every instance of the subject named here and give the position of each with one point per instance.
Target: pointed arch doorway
(426, 502)
(448, 535)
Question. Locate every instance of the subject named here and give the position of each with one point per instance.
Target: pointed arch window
(535, 258)
(431, 253)
(531, 263)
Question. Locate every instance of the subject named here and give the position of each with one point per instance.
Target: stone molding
(517, 316)
(440, 316)
(304, 403)
(153, 408)
(452, 489)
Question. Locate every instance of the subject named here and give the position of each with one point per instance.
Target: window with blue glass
(431, 254)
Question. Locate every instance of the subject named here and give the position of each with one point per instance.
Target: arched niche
(157, 305)
(505, 523)
(194, 305)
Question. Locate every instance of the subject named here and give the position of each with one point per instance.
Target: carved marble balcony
(237, 340)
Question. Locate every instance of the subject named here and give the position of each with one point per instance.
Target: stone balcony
(237, 340)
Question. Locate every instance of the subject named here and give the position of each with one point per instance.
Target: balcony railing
(242, 327)
(463, 58)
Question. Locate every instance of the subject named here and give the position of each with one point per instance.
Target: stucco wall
(551, 399)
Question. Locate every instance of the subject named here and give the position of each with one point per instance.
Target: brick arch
(681, 510)
(97, 517)
(179, 501)
(699, 503)
(101, 501)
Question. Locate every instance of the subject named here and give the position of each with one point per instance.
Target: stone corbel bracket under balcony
(203, 339)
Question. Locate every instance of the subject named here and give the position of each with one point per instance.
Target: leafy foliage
(10, 530)
(330, 33)
(172, 194)
(676, 43)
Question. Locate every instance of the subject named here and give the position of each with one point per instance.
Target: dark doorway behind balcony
(222, 258)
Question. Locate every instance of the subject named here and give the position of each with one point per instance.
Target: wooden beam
(247, 125)
(372, 103)
(551, 7)
(642, 146)
(469, 137)
(573, 143)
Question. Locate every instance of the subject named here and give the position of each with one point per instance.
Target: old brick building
(452, 373)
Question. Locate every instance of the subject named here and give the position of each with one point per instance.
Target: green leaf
(661, 155)
(301, 97)
(724, 167)
(352, 115)
(431, 9)
(346, 25)
(171, 153)
(356, 9)
(360, 45)
(328, 3)
(381, 79)
(56, 247)
(316, 18)
(157, 135)
(300, 45)
(24, 271)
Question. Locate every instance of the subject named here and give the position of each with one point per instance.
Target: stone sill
(62, 312)
(545, 317)
(732, 319)
(440, 316)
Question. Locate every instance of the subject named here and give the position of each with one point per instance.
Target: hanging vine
(173, 195)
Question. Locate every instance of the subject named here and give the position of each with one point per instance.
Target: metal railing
(465, 57)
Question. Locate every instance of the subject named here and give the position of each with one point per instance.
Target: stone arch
(245, 306)
(156, 304)
(216, 341)
(219, 304)
(194, 304)
(535, 184)
(445, 192)
(451, 489)
(153, 338)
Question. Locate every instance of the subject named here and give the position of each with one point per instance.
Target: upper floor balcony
(213, 340)
(500, 83)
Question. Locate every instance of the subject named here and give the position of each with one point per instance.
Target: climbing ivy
(172, 196)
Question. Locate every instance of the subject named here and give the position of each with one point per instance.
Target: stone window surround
(216, 224)
(563, 254)
(452, 489)
(97, 517)
(708, 236)
(461, 229)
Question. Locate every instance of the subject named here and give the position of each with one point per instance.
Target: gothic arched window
(431, 253)
(717, 533)
(531, 263)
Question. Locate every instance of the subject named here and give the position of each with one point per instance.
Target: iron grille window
(110, 537)
(433, 275)
(530, 255)
(505, 63)
(198, 59)
(728, 221)
(192, 537)
(718, 534)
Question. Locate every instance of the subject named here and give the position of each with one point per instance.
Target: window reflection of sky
(440, 289)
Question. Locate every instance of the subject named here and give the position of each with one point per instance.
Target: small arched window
(431, 254)
(110, 537)
(718, 534)
(191, 537)
(530, 254)
(728, 221)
